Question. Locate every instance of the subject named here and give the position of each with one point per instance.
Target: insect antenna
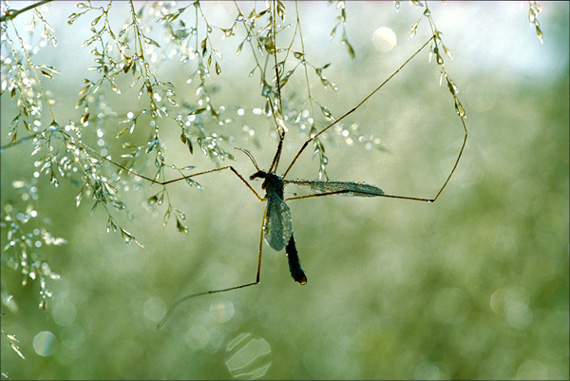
(250, 157)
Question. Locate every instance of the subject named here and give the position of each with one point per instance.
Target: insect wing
(278, 225)
(346, 188)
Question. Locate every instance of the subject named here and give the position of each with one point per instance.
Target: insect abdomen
(294, 264)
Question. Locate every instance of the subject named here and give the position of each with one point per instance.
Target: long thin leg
(398, 196)
(306, 143)
(168, 181)
(257, 281)
(364, 193)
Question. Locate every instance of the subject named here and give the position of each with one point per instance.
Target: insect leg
(364, 194)
(317, 195)
(130, 171)
(413, 198)
(306, 143)
(214, 170)
(185, 298)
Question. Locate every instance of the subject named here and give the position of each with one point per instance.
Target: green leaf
(181, 228)
(166, 216)
(150, 41)
(333, 31)
(349, 48)
(238, 50)
(96, 20)
(203, 46)
(281, 10)
(260, 14)
(197, 111)
(15, 121)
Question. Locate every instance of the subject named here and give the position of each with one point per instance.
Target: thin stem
(281, 131)
(12, 14)
(29, 59)
(22, 140)
(274, 35)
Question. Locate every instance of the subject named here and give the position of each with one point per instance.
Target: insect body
(277, 223)
(277, 228)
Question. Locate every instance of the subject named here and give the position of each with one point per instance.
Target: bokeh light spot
(63, 313)
(249, 356)
(44, 343)
(222, 311)
(384, 39)
(154, 309)
(197, 337)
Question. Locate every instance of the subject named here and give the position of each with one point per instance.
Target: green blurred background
(474, 286)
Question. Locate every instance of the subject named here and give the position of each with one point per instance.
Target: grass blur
(474, 286)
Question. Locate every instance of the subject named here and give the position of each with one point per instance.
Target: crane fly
(277, 222)
(277, 226)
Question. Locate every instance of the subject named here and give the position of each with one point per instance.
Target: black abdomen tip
(294, 264)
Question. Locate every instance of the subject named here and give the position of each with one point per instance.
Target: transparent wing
(278, 225)
(348, 188)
